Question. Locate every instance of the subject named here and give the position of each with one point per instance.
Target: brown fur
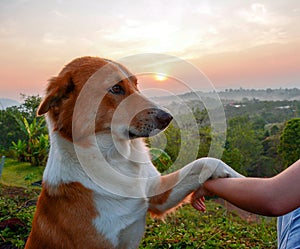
(62, 93)
(160, 199)
(68, 205)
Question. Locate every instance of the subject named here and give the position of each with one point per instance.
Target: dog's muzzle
(149, 122)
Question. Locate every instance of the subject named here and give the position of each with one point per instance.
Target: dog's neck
(102, 161)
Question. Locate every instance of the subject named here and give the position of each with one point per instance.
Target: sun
(160, 77)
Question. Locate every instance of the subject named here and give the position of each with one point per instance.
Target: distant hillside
(232, 100)
(262, 94)
(240, 95)
(4, 103)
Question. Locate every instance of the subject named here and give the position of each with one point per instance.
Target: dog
(99, 182)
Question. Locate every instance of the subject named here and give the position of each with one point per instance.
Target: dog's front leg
(171, 189)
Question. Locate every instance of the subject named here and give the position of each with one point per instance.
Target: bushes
(17, 206)
(34, 148)
(289, 142)
(23, 135)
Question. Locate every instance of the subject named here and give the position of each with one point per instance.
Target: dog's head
(94, 95)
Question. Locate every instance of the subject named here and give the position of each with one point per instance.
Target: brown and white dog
(99, 181)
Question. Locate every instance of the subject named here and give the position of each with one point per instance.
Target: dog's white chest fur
(116, 215)
(121, 206)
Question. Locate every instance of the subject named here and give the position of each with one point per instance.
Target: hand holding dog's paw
(199, 204)
(198, 199)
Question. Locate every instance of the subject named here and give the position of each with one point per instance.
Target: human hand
(199, 204)
(198, 199)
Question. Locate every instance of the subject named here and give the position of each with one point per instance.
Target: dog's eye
(117, 89)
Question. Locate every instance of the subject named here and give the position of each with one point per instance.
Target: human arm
(170, 190)
(266, 196)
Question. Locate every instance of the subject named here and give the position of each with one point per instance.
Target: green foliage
(9, 125)
(17, 206)
(20, 173)
(243, 145)
(269, 111)
(251, 145)
(234, 158)
(34, 148)
(205, 137)
(160, 159)
(33, 145)
(9, 128)
(173, 137)
(30, 177)
(10, 208)
(255, 136)
(289, 142)
(217, 228)
(29, 106)
(274, 130)
(20, 149)
(186, 143)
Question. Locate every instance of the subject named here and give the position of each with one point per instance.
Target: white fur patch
(116, 212)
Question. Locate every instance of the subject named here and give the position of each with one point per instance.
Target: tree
(243, 145)
(10, 129)
(24, 133)
(29, 106)
(34, 148)
(289, 148)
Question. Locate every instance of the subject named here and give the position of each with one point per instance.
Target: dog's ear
(58, 89)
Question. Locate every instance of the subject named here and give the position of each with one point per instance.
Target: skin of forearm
(267, 196)
(251, 194)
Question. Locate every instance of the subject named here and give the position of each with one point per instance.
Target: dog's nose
(163, 119)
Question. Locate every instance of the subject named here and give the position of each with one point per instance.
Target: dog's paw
(215, 168)
(222, 170)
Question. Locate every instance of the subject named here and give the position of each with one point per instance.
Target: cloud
(256, 14)
(59, 14)
(57, 31)
(53, 39)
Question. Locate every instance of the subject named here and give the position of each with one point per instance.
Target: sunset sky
(236, 43)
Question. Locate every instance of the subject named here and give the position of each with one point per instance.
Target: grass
(187, 228)
(216, 228)
(20, 174)
(17, 205)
